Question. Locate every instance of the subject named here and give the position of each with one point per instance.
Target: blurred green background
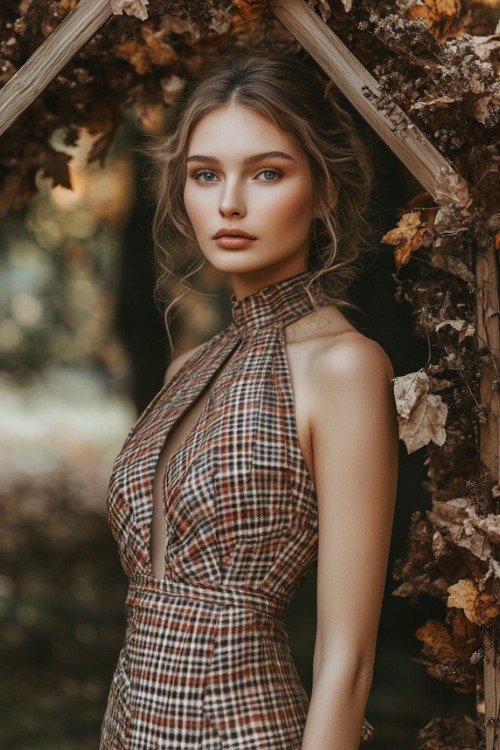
(82, 349)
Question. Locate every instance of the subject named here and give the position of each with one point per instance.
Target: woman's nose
(232, 202)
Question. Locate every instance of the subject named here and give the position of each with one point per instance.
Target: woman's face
(249, 197)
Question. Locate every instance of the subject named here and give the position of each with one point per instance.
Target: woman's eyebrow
(205, 159)
(267, 155)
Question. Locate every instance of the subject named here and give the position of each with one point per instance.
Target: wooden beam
(491, 689)
(409, 144)
(56, 51)
(488, 335)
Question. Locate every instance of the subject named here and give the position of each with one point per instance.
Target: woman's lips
(233, 239)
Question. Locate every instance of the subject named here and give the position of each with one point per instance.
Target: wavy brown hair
(296, 100)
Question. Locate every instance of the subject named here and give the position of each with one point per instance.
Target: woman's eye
(269, 175)
(205, 175)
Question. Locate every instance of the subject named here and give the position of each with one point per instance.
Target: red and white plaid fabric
(206, 662)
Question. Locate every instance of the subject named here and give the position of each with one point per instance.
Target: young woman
(270, 450)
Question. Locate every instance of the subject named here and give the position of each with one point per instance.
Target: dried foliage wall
(439, 61)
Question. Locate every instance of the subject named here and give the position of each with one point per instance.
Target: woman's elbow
(355, 670)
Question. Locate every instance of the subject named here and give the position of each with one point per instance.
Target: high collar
(279, 304)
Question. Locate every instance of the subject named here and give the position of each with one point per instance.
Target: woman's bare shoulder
(349, 378)
(179, 361)
(350, 355)
(332, 347)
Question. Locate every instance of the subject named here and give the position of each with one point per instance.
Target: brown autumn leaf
(489, 525)
(136, 54)
(486, 108)
(439, 546)
(143, 57)
(422, 584)
(418, 570)
(421, 415)
(447, 650)
(493, 573)
(249, 11)
(436, 102)
(412, 232)
(137, 8)
(480, 608)
(439, 15)
(159, 51)
(463, 327)
(451, 188)
(452, 264)
(452, 517)
(220, 20)
(456, 733)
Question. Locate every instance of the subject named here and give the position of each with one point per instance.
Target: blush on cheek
(295, 211)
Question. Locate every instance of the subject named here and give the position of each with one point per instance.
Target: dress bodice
(239, 502)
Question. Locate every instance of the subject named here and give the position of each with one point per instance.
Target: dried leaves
(421, 415)
(413, 231)
(448, 651)
(454, 527)
(452, 734)
(151, 51)
(479, 607)
(453, 552)
(452, 555)
(441, 16)
(462, 326)
(137, 8)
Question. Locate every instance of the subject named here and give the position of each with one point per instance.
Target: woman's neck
(248, 283)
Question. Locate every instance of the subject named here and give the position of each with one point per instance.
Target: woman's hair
(296, 100)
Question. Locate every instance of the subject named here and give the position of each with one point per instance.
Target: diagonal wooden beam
(409, 144)
(49, 59)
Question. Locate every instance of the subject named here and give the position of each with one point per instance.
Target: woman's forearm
(337, 707)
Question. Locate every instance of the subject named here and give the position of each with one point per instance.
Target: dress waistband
(147, 591)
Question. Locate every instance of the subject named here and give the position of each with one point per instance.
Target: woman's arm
(354, 440)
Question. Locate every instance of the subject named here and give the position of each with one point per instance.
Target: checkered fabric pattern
(206, 662)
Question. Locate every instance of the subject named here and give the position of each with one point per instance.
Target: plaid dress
(206, 662)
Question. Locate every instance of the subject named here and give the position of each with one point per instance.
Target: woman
(271, 449)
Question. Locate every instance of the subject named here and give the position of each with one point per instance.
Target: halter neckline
(279, 304)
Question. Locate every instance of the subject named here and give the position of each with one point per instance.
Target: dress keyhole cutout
(177, 435)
